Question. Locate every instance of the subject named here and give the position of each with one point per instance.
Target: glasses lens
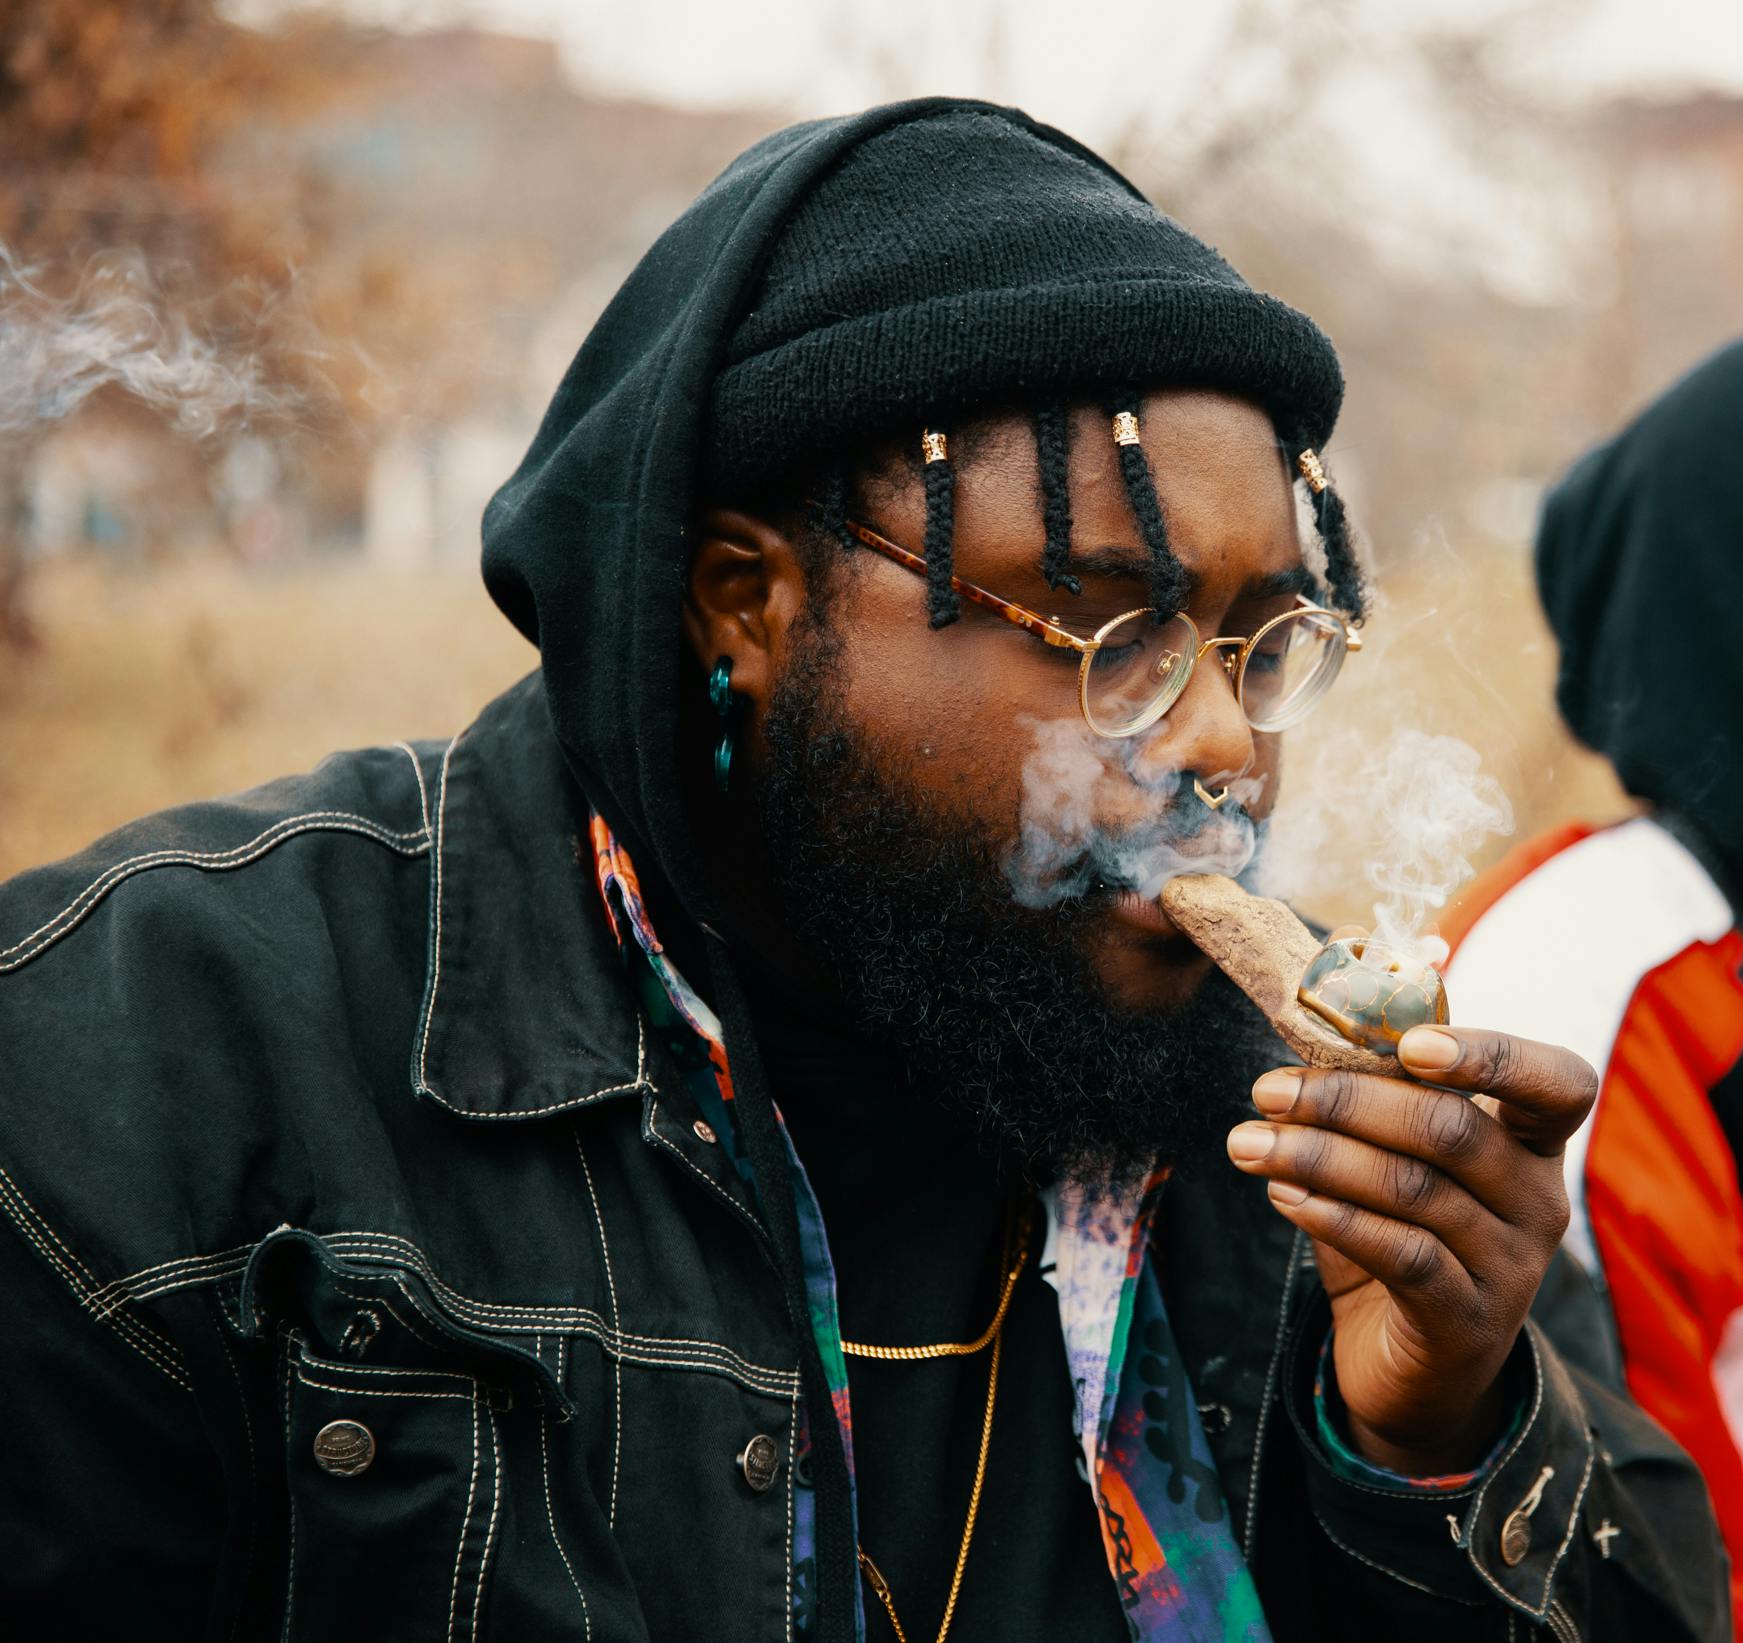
(1138, 672)
(1290, 668)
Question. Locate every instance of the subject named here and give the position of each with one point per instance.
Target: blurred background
(284, 289)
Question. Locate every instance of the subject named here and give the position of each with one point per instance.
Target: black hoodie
(997, 257)
(1640, 566)
(586, 548)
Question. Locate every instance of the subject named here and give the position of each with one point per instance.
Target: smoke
(1067, 844)
(1413, 807)
(117, 327)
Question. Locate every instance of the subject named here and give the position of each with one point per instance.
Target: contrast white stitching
(160, 1352)
(412, 843)
(1494, 1476)
(465, 1522)
(248, 1433)
(616, 1324)
(495, 1502)
(423, 792)
(1272, 1369)
(792, 1458)
(650, 1129)
(551, 1518)
(650, 1351)
(440, 846)
(639, 1082)
(1572, 1520)
(290, 1568)
(328, 1366)
(504, 1317)
(165, 1266)
(1350, 1551)
(376, 1300)
(372, 1391)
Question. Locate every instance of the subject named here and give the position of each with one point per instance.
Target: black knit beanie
(968, 259)
(972, 259)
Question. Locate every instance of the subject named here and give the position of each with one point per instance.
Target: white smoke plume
(1064, 847)
(1415, 806)
(116, 326)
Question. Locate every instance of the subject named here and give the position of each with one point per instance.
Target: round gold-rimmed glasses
(1136, 667)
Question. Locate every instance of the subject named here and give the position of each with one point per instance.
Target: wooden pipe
(1268, 952)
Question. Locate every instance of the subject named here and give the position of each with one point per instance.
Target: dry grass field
(183, 680)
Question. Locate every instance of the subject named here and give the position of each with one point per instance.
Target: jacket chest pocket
(397, 1423)
(395, 1480)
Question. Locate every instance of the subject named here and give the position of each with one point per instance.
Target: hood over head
(838, 280)
(842, 279)
(1640, 568)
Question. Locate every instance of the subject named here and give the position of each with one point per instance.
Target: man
(809, 1214)
(1640, 556)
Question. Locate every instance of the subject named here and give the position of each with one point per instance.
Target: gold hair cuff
(1126, 428)
(1309, 464)
(934, 447)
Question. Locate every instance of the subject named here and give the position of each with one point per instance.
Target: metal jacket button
(759, 1460)
(344, 1448)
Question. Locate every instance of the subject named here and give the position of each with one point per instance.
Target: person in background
(1623, 942)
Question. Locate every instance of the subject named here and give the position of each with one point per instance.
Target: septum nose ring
(1206, 798)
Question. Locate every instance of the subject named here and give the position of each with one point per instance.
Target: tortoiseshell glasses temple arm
(1031, 621)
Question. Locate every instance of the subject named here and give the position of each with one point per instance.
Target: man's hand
(1434, 1218)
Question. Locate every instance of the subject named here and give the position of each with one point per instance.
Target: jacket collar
(527, 1012)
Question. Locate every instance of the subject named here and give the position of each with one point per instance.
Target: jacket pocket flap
(381, 1314)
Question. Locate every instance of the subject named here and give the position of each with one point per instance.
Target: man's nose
(1205, 733)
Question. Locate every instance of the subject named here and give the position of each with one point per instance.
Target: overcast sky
(1089, 68)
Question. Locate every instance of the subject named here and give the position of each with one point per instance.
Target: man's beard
(995, 1008)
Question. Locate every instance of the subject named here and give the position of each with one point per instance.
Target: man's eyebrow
(1111, 561)
(1297, 579)
(1136, 562)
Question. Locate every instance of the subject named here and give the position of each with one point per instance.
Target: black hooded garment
(586, 548)
(1640, 567)
(685, 382)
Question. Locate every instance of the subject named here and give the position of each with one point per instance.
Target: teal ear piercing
(726, 706)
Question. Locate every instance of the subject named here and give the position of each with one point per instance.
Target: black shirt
(915, 1215)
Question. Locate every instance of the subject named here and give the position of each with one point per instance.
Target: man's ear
(747, 588)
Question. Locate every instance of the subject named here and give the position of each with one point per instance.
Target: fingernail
(1282, 1192)
(1428, 1047)
(1248, 1143)
(1276, 1091)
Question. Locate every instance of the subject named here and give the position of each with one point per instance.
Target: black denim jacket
(330, 1134)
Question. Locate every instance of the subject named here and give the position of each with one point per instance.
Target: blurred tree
(113, 114)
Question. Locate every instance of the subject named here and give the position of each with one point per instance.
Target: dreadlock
(835, 507)
(1169, 584)
(1053, 457)
(1343, 572)
(942, 604)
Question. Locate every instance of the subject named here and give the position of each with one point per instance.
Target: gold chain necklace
(953, 1349)
(995, 1333)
